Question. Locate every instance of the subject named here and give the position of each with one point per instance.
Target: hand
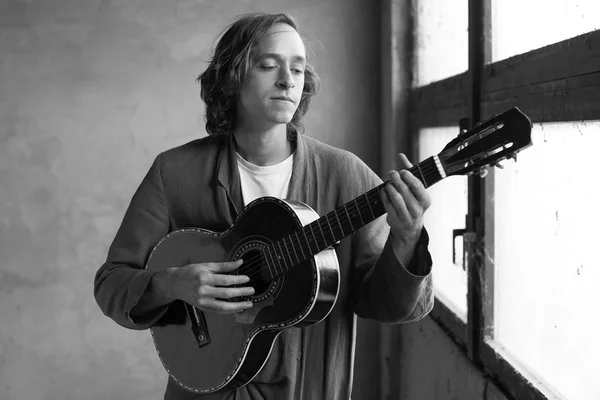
(206, 285)
(405, 200)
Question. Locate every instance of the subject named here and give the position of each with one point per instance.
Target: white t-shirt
(257, 181)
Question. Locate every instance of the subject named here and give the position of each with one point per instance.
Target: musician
(257, 88)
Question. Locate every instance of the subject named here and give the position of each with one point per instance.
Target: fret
(322, 233)
(307, 241)
(294, 248)
(288, 253)
(313, 235)
(281, 257)
(300, 245)
(429, 171)
(349, 219)
(339, 223)
(330, 228)
(362, 221)
(369, 204)
(421, 173)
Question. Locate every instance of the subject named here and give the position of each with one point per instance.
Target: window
(441, 39)
(522, 303)
(544, 264)
(519, 26)
(441, 51)
(447, 212)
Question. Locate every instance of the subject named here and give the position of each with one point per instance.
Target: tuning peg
(513, 156)
(498, 165)
(482, 172)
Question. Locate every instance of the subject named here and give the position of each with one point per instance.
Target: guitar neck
(336, 225)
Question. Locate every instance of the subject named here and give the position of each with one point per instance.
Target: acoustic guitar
(288, 255)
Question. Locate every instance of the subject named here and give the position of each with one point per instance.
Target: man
(256, 89)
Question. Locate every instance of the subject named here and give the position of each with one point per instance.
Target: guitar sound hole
(253, 268)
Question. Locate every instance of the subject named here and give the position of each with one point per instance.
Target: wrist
(163, 284)
(404, 246)
(399, 239)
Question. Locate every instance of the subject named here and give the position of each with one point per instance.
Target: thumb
(403, 161)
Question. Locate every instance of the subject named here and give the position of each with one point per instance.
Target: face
(272, 88)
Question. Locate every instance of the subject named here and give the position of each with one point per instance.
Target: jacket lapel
(300, 182)
(229, 178)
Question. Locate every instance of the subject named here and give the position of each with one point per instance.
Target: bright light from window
(546, 268)
(442, 41)
(519, 26)
(447, 212)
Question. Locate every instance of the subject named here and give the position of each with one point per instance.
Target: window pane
(519, 26)
(447, 212)
(546, 269)
(442, 41)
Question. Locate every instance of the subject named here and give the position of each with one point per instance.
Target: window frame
(558, 82)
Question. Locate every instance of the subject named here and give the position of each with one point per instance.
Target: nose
(286, 80)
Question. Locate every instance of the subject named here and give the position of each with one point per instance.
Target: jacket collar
(300, 182)
(228, 175)
(229, 178)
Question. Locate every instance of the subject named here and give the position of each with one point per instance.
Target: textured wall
(90, 92)
(433, 367)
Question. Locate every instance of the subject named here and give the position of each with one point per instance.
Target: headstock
(486, 144)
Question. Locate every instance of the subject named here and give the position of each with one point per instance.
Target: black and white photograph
(299, 199)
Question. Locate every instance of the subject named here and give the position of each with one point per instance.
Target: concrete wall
(427, 365)
(90, 92)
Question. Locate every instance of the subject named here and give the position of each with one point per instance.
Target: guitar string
(253, 266)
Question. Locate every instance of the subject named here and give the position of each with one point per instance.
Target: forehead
(282, 40)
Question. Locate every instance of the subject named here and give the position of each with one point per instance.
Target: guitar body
(206, 352)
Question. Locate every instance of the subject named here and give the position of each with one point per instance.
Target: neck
(264, 147)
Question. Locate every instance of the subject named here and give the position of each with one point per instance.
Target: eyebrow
(278, 56)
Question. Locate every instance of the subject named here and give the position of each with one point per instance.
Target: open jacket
(197, 185)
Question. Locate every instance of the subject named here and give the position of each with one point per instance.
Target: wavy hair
(222, 80)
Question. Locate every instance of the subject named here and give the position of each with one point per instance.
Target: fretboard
(324, 232)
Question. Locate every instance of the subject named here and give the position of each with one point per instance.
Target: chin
(282, 118)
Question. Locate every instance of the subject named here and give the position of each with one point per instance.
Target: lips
(283, 98)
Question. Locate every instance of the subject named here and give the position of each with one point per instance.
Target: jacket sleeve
(389, 291)
(122, 280)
